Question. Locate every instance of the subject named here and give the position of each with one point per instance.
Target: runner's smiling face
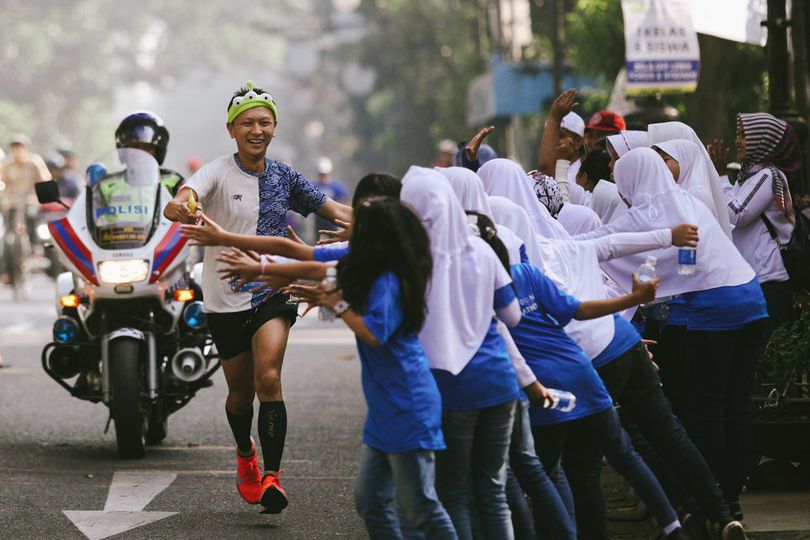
(253, 130)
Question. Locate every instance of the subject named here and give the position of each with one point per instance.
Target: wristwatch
(341, 307)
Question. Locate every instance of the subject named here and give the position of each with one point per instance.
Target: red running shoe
(274, 498)
(248, 477)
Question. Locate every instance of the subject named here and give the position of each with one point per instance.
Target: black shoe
(736, 510)
(695, 527)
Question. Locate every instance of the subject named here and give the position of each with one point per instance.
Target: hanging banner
(661, 46)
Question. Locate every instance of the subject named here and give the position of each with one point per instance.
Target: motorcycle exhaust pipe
(188, 365)
(64, 361)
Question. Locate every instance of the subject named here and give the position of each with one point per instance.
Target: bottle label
(247, 287)
(687, 256)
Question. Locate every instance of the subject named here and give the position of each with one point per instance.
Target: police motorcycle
(131, 332)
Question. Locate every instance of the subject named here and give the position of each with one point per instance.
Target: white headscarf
(644, 179)
(627, 140)
(507, 214)
(668, 131)
(606, 202)
(462, 286)
(572, 265)
(578, 219)
(505, 178)
(470, 193)
(695, 176)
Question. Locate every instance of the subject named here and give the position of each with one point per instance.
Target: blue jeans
(408, 478)
(473, 468)
(550, 515)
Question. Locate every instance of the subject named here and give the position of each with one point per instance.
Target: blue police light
(95, 172)
(65, 330)
(194, 315)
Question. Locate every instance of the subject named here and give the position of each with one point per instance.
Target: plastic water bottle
(687, 261)
(646, 272)
(330, 281)
(561, 400)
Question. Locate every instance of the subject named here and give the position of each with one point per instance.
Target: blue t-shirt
(327, 254)
(625, 337)
(489, 378)
(524, 258)
(678, 312)
(404, 405)
(556, 360)
(726, 308)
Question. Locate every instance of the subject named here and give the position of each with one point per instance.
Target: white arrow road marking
(130, 492)
(133, 490)
(96, 525)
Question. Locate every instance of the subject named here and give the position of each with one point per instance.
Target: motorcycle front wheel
(126, 406)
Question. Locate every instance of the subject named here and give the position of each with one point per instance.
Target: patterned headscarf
(770, 143)
(548, 192)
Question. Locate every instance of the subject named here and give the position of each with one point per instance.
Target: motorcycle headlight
(65, 330)
(127, 271)
(194, 315)
(42, 232)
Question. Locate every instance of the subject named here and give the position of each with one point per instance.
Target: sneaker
(678, 534)
(248, 477)
(733, 531)
(274, 498)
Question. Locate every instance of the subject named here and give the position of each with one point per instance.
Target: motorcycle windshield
(124, 203)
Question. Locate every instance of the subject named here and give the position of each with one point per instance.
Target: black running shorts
(233, 332)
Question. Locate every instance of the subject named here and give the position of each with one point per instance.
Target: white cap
(573, 123)
(324, 165)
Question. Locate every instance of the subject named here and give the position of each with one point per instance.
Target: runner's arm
(333, 210)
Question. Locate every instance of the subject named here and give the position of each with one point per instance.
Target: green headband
(251, 99)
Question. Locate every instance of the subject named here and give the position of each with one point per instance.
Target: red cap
(606, 121)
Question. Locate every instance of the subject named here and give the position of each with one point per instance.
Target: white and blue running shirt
(243, 202)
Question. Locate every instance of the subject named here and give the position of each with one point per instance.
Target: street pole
(780, 102)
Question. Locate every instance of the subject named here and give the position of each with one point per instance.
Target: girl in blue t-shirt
(560, 363)
(383, 279)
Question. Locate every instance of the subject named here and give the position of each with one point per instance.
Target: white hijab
(715, 199)
(462, 286)
(507, 214)
(628, 140)
(572, 265)
(606, 202)
(695, 176)
(470, 193)
(505, 178)
(578, 219)
(644, 179)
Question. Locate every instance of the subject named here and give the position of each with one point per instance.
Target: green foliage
(788, 352)
(425, 53)
(595, 38)
(63, 62)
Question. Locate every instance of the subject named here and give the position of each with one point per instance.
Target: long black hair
(489, 233)
(376, 185)
(388, 237)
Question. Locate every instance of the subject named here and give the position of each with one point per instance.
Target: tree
(63, 62)
(425, 53)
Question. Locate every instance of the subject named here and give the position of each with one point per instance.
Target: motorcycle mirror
(48, 192)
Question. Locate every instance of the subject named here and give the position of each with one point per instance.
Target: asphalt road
(55, 457)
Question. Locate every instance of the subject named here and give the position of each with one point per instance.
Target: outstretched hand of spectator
(475, 143)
